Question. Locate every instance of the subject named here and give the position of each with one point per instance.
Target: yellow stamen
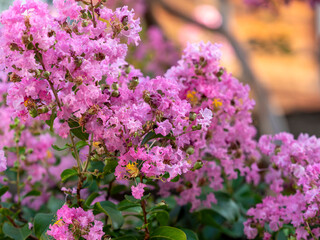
(192, 97)
(132, 169)
(216, 103)
(59, 222)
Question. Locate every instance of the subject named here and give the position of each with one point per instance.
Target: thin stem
(76, 153)
(89, 154)
(94, 19)
(18, 175)
(143, 206)
(309, 230)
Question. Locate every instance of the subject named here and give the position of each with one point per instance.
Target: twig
(143, 206)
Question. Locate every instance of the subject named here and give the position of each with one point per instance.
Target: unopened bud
(146, 96)
(192, 116)
(190, 150)
(197, 165)
(115, 93)
(115, 86)
(84, 15)
(133, 83)
(196, 127)
(46, 74)
(84, 24)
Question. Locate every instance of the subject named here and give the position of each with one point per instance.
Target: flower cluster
(224, 107)
(91, 89)
(293, 176)
(75, 223)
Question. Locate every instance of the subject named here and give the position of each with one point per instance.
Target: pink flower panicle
(73, 223)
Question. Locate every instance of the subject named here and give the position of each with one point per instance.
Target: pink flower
(3, 161)
(137, 191)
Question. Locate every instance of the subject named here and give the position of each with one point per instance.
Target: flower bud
(115, 86)
(196, 127)
(84, 24)
(133, 83)
(84, 15)
(192, 116)
(190, 150)
(46, 74)
(197, 165)
(146, 96)
(115, 93)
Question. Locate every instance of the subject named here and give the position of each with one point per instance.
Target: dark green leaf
(131, 199)
(111, 164)
(191, 235)
(117, 189)
(32, 193)
(126, 238)
(41, 223)
(125, 205)
(226, 207)
(91, 198)
(81, 144)
(16, 233)
(67, 174)
(3, 190)
(167, 232)
(153, 135)
(111, 210)
(162, 217)
(78, 130)
(55, 147)
(175, 179)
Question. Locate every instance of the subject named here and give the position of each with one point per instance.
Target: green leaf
(78, 130)
(191, 235)
(153, 135)
(207, 217)
(16, 233)
(32, 193)
(175, 179)
(118, 188)
(81, 144)
(41, 223)
(226, 207)
(111, 210)
(3, 190)
(91, 198)
(131, 199)
(110, 165)
(51, 120)
(162, 217)
(55, 147)
(126, 238)
(125, 205)
(167, 232)
(67, 174)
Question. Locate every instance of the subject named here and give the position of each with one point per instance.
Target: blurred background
(273, 48)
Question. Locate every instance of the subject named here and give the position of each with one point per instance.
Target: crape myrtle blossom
(73, 223)
(294, 177)
(143, 123)
(223, 109)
